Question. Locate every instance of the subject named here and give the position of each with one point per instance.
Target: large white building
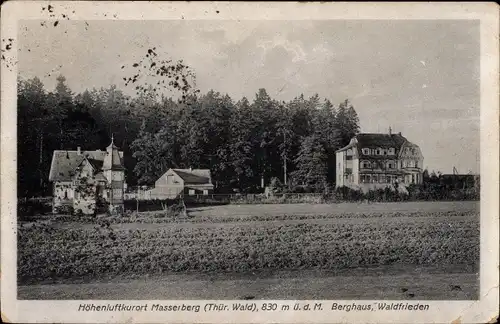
(372, 161)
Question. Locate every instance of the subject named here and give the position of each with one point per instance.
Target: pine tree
(347, 122)
(311, 164)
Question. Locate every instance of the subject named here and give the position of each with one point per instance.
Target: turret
(114, 173)
(112, 160)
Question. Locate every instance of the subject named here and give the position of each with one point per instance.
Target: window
(191, 192)
(366, 151)
(391, 151)
(205, 192)
(65, 194)
(365, 164)
(390, 165)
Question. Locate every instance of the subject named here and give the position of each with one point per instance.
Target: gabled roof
(96, 164)
(194, 176)
(64, 163)
(375, 140)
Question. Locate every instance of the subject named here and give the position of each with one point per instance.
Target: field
(282, 246)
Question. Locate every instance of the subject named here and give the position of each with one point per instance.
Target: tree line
(241, 141)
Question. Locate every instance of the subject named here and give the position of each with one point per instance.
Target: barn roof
(64, 163)
(194, 176)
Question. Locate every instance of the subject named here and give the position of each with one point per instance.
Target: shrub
(148, 205)
(64, 209)
(348, 194)
(28, 208)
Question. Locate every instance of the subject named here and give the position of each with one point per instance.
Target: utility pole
(137, 200)
(284, 166)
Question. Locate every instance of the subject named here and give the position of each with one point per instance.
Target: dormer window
(366, 151)
(391, 151)
(366, 164)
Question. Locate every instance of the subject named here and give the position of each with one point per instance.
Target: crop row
(161, 217)
(37, 235)
(71, 253)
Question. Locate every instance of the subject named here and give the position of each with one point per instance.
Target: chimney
(190, 169)
(399, 133)
(78, 150)
(390, 130)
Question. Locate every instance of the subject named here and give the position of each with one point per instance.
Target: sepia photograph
(245, 160)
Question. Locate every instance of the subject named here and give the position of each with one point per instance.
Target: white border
(482, 311)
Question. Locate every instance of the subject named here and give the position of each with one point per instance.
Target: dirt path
(299, 285)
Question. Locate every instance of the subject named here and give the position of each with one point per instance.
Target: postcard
(249, 162)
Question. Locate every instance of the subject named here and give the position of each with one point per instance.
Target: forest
(241, 140)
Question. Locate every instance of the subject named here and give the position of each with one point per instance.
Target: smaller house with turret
(85, 179)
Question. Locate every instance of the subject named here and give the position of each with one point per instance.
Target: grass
(209, 242)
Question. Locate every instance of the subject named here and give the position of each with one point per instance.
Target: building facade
(82, 179)
(372, 161)
(183, 182)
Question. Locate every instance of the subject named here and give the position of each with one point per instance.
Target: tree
(242, 143)
(311, 164)
(347, 122)
(285, 133)
(329, 135)
(153, 153)
(33, 119)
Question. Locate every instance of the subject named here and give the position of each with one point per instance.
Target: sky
(419, 77)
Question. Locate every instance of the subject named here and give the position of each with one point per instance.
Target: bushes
(149, 205)
(347, 194)
(437, 192)
(27, 208)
